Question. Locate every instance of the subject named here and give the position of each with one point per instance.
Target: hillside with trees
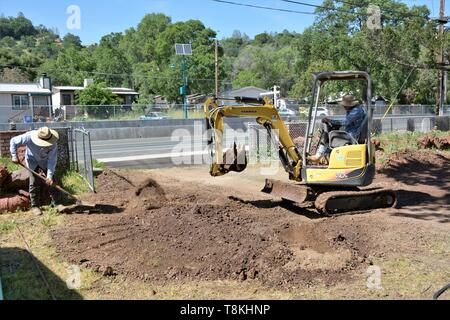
(143, 57)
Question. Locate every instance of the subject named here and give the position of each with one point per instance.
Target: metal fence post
(84, 156)
(91, 165)
(85, 168)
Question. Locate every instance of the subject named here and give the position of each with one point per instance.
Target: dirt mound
(205, 242)
(416, 162)
(422, 176)
(172, 230)
(112, 189)
(184, 233)
(433, 142)
(148, 195)
(3, 175)
(110, 181)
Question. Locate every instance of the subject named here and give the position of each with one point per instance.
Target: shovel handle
(55, 185)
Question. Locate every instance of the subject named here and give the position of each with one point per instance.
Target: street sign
(183, 49)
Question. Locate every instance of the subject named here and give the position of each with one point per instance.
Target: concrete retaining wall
(134, 129)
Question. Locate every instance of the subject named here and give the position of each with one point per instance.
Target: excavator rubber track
(335, 202)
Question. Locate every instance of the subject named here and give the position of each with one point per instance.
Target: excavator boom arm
(266, 115)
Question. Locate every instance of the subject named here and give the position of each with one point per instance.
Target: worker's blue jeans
(35, 188)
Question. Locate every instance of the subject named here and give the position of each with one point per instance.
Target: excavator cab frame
(351, 165)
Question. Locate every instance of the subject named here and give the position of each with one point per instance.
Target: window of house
(20, 102)
(67, 99)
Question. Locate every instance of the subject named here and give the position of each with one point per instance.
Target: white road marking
(158, 156)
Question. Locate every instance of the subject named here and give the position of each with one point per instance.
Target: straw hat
(349, 101)
(44, 137)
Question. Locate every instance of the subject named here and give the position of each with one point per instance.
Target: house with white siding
(64, 97)
(42, 102)
(19, 101)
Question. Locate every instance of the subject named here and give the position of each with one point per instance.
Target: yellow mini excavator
(332, 188)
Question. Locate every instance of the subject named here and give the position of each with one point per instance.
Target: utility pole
(184, 50)
(441, 89)
(216, 45)
(185, 85)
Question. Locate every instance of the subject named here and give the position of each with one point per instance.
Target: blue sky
(100, 17)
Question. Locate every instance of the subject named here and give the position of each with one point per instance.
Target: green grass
(51, 217)
(192, 114)
(7, 226)
(173, 113)
(98, 164)
(74, 183)
(6, 161)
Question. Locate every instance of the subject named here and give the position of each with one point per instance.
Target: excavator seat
(340, 138)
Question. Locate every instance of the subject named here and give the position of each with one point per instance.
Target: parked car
(154, 116)
(321, 112)
(287, 112)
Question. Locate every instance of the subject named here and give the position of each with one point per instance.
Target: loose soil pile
(430, 142)
(169, 230)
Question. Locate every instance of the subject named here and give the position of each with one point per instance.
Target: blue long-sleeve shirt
(352, 122)
(44, 157)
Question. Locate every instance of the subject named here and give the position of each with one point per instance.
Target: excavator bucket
(288, 191)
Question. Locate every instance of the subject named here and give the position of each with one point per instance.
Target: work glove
(15, 160)
(326, 120)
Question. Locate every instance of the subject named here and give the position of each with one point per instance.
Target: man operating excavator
(353, 123)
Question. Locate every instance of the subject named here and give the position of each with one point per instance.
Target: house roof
(114, 90)
(244, 89)
(23, 88)
(67, 88)
(123, 91)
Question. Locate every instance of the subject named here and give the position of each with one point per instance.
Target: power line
(366, 4)
(363, 5)
(361, 14)
(322, 7)
(132, 76)
(264, 7)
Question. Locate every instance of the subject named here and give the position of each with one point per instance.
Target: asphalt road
(155, 152)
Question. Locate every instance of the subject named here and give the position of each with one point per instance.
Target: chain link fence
(261, 145)
(49, 114)
(68, 113)
(81, 155)
(262, 149)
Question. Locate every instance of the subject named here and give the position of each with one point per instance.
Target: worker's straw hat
(348, 101)
(44, 137)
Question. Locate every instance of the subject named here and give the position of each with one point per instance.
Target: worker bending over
(41, 155)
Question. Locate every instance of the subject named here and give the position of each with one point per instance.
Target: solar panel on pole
(187, 49)
(183, 49)
(179, 50)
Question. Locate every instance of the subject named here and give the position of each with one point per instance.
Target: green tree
(71, 66)
(71, 40)
(113, 67)
(16, 27)
(95, 97)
